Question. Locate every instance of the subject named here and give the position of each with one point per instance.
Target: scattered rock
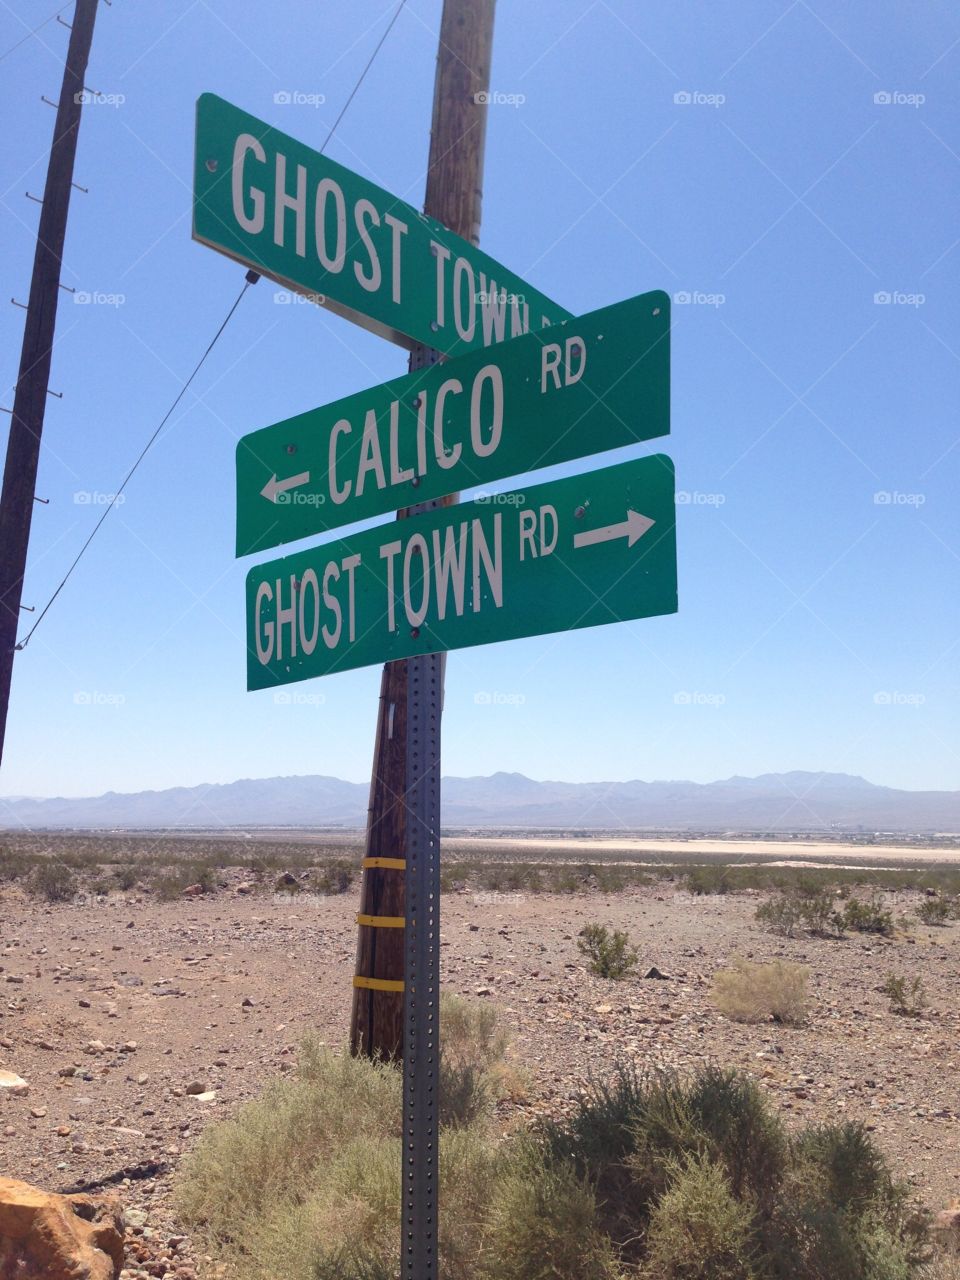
(246, 1003)
(96, 1047)
(10, 1080)
(38, 1112)
(654, 972)
(195, 1088)
(245, 888)
(192, 891)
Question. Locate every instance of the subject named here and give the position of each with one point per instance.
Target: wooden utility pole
(453, 197)
(26, 426)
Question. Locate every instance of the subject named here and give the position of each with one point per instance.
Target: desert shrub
(699, 1230)
(780, 915)
(171, 882)
(710, 879)
(756, 992)
(867, 917)
(937, 911)
(609, 955)
(126, 877)
(543, 1223)
(305, 1182)
(817, 911)
(53, 881)
(335, 877)
(474, 1070)
(15, 865)
(658, 1176)
(907, 998)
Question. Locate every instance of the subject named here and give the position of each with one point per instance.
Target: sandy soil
(787, 852)
(112, 1011)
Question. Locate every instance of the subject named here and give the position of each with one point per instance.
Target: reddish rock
(59, 1237)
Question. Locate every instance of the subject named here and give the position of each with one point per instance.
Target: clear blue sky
(818, 627)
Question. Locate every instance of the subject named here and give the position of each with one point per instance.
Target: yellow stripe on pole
(389, 864)
(382, 922)
(379, 984)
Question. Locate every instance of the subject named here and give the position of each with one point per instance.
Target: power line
(46, 22)
(251, 278)
(363, 73)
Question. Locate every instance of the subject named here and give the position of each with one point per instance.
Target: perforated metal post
(421, 1051)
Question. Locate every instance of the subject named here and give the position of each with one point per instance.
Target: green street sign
(578, 552)
(588, 385)
(284, 209)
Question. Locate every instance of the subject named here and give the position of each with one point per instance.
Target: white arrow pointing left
(634, 527)
(273, 487)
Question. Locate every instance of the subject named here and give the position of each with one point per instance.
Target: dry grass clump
(304, 1182)
(758, 992)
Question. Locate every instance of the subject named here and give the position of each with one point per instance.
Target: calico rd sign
(588, 385)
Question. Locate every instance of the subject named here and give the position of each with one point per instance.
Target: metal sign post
(421, 1051)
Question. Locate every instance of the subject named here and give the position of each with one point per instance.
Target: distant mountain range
(774, 801)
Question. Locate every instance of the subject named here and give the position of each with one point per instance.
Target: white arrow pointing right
(633, 528)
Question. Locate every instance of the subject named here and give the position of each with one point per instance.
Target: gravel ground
(136, 1023)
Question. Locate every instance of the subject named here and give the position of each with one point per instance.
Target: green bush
(867, 917)
(609, 955)
(905, 998)
(699, 1230)
(780, 915)
(543, 1223)
(712, 879)
(936, 911)
(336, 877)
(660, 1177)
(53, 881)
(126, 877)
(15, 865)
